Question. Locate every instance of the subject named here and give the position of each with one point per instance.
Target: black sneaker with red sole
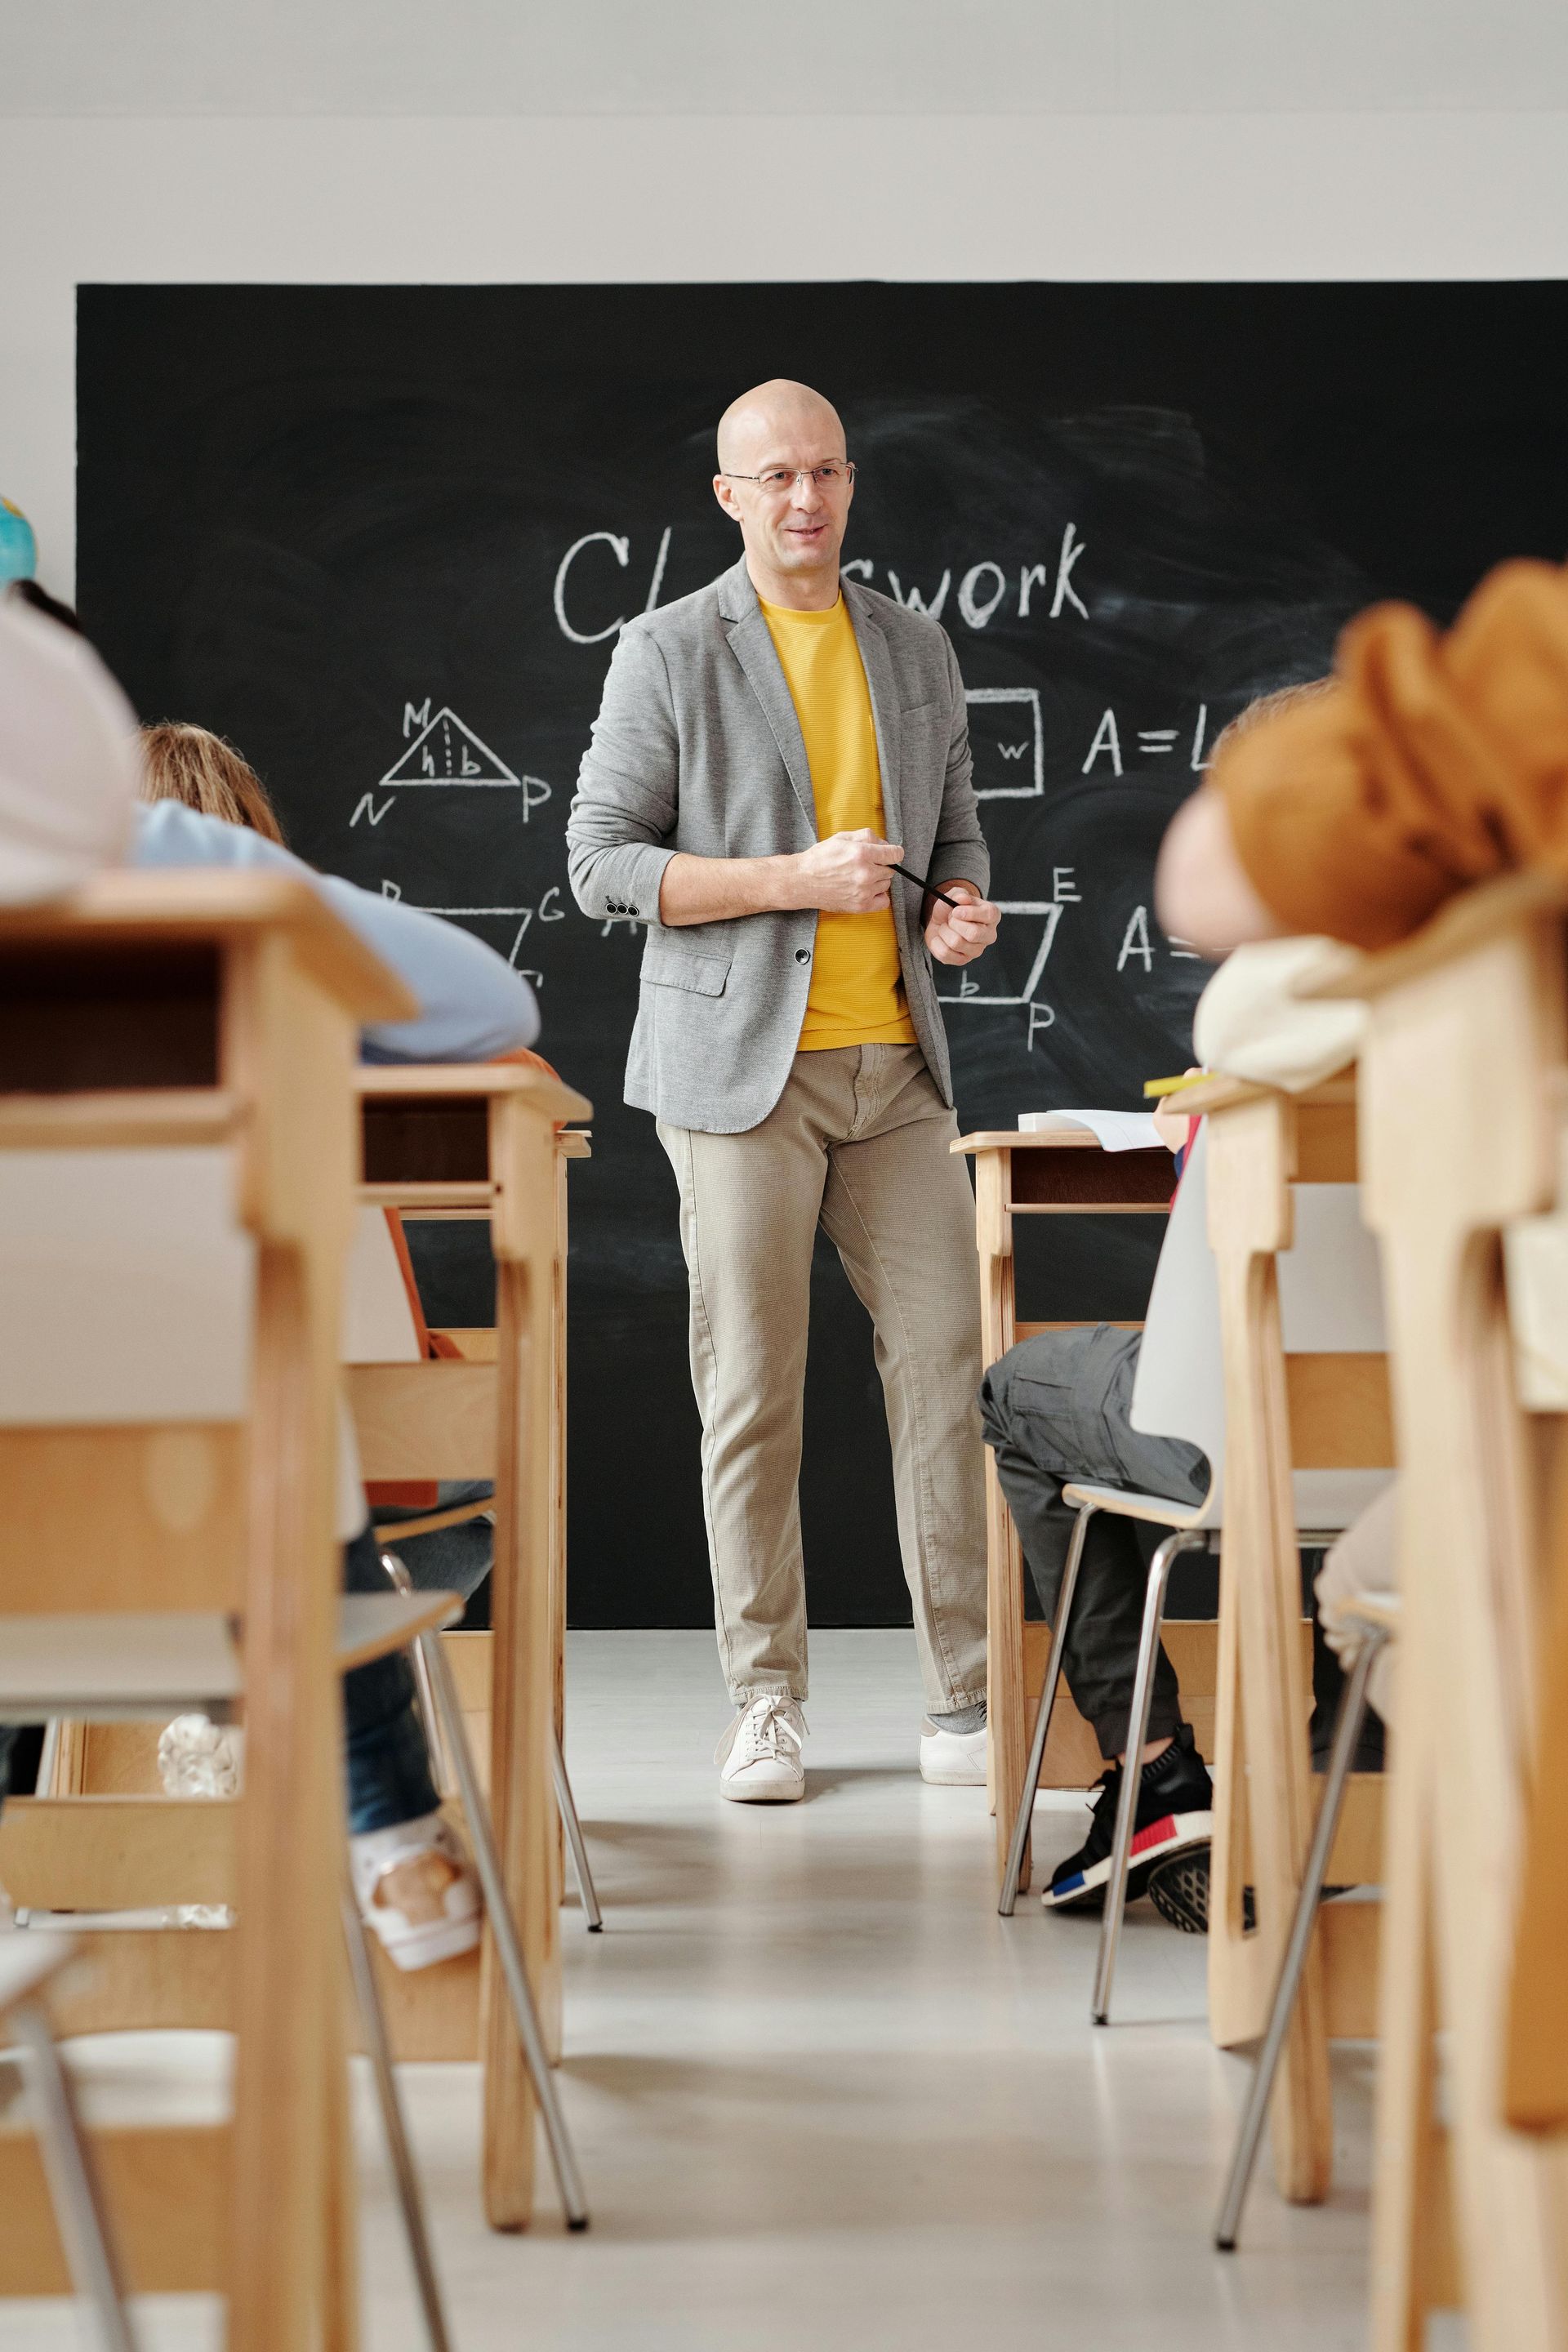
(1174, 1825)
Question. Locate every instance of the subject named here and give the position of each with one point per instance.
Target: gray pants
(1056, 1409)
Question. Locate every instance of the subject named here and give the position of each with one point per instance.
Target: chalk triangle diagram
(448, 752)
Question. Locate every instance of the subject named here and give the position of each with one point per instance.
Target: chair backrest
(1331, 1301)
(128, 1293)
(1179, 1390)
(127, 1288)
(1330, 1308)
(383, 1320)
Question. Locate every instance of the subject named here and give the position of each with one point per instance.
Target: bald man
(768, 752)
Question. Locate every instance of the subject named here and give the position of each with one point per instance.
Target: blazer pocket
(667, 965)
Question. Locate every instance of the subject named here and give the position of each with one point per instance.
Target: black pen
(929, 889)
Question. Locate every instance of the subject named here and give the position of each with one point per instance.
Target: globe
(18, 548)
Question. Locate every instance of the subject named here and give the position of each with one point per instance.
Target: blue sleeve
(473, 1005)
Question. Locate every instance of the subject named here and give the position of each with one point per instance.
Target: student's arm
(473, 1006)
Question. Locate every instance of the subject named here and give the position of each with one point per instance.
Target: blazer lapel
(753, 647)
(877, 664)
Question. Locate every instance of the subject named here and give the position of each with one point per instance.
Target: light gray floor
(824, 2096)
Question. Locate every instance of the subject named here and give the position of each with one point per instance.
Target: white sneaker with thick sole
(417, 1890)
(761, 1753)
(952, 1759)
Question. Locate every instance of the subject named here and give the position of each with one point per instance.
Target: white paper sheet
(1116, 1131)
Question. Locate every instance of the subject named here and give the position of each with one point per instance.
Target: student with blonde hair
(204, 772)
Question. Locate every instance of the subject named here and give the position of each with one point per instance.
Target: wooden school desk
(483, 1140)
(1062, 1172)
(1309, 1441)
(171, 1011)
(1464, 1078)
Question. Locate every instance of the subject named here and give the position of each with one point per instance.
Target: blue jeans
(387, 1761)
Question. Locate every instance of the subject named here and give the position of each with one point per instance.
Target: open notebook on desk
(1114, 1130)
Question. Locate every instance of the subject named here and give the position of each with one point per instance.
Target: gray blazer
(697, 747)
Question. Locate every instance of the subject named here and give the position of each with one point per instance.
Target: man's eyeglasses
(837, 474)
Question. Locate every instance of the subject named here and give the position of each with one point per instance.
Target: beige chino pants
(857, 1144)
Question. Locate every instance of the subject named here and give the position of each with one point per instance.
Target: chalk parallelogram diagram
(1049, 911)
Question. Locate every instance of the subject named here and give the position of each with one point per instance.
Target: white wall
(388, 140)
(412, 57)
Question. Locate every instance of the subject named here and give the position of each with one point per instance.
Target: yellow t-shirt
(857, 987)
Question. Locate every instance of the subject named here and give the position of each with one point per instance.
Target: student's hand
(1170, 1120)
(1203, 893)
(959, 934)
(848, 874)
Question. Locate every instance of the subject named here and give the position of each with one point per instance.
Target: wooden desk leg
(1252, 1159)
(288, 1867)
(1239, 1989)
(551, 2020)
(339, 2331)
(1005, 1705)
(1405, 2123)
(522, 1796)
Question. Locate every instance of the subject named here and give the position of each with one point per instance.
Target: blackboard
(382, 537)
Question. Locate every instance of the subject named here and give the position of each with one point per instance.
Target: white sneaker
(761, 1753)
(952, 1759)
(417, 1889)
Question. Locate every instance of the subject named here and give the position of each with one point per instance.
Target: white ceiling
(489, 57)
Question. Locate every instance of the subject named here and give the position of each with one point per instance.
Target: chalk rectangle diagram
(1029, 698)
(1050, 909)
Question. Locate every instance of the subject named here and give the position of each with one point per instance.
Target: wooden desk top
(434, 1082)
(1053, 1139)
(1474, 917)
(1222, 1094)
(426, 1130)
(156, 907)
(1065, 1171)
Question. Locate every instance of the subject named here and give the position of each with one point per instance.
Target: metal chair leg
(1159, 1569)
(1347, 1733)
(574, 1827)
(73, 2181)
(503, 1927)
(1024, 1814)
(424, 1696)
(410, 2197)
